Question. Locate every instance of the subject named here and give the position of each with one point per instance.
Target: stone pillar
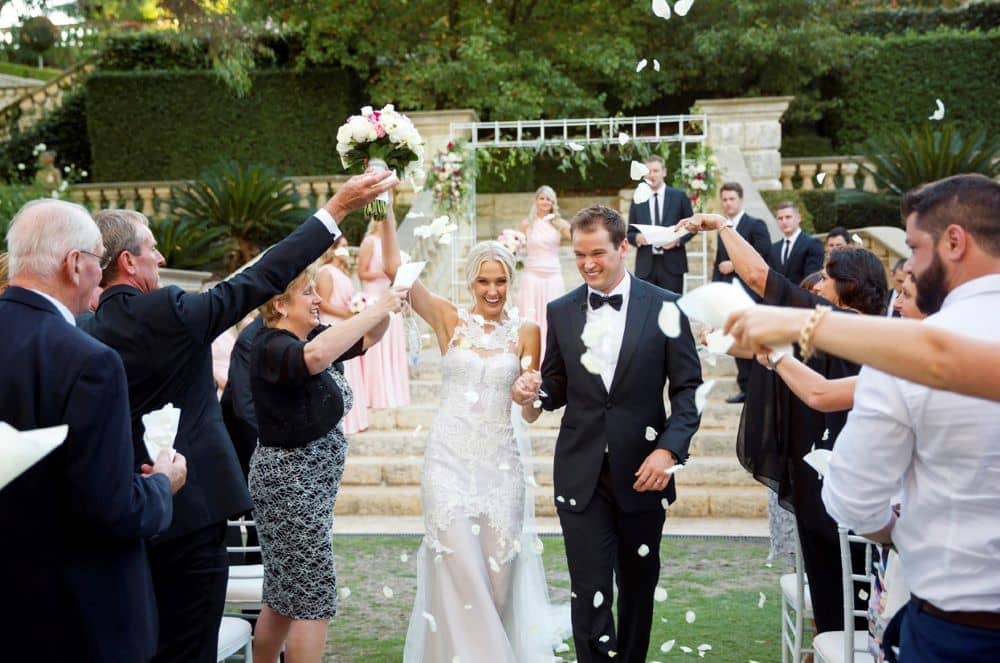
(435, 127)
(753, 125)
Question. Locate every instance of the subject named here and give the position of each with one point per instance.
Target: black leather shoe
(738, 398)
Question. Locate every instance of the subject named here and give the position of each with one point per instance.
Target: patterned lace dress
(476, 596)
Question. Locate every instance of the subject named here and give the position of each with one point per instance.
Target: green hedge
(154, 50)
(976, 16)
(64, 130)
(171, 125)
(892, 83)
(823, 210)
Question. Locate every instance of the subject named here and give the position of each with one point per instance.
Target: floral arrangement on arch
(515, 242)
(450, 179)
(384, 139)
(697, 177)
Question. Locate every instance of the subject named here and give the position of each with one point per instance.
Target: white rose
(359, 129)
(366, 111)
(344, 133)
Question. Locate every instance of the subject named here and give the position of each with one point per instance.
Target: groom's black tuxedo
(604, 519)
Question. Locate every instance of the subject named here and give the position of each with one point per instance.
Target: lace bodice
(472, 465)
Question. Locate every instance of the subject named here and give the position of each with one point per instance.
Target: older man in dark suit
(164, 336)
(797, 255)
(73, 524)
(662, 266)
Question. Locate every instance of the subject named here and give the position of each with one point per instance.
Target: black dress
(776, 431)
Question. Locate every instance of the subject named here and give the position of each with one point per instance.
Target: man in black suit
(73, 524)
(753, 230)
(611, 480)
(797, 255)
(164, 336)
(664, 266)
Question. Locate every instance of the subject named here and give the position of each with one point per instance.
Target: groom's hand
(524, 391)
(652, 475)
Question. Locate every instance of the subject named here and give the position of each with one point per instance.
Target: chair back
(849, 577)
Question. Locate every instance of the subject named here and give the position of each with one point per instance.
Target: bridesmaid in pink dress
(387, 379)
(541, 279)
(334, 285)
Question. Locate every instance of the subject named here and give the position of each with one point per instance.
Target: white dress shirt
(892, 303)
(944, 449)
(611, 344)
(62, 308)
(328, 221)
(791, 244)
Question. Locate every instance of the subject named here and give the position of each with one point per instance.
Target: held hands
(652, 474)
(525, 389)
(175, 470)
(358, 192)
(762, 327)
(701, 221)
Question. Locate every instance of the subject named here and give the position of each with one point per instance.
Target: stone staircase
(382, 477)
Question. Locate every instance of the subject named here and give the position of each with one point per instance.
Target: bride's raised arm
(437, 311)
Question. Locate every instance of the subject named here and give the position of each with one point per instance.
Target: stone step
(716, 415)
(406, 471)
(543, 441)
(693, 501)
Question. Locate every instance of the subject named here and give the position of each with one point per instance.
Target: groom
(611, 481)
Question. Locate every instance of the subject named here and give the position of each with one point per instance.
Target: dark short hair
(839, 231)
(810, 281)
(787, 204)
(970, 201)
(732, 186)
(859, 278)
(588, 218)
(899, 264)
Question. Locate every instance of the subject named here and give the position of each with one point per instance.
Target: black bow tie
(597, 301)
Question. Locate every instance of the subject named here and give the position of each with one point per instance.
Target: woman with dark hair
(773, 449)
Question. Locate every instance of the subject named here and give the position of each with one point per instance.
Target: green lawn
(23, 71)
(719, 579)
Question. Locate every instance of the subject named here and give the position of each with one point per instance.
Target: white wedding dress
(481, 590)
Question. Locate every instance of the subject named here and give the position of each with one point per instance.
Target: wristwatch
(728, 224)
(773, 359)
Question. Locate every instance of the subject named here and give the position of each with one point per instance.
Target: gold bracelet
(808, 329)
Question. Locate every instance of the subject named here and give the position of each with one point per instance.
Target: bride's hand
(524, 391)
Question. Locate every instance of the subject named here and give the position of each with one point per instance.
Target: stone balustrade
(31, 106)
(826, 173)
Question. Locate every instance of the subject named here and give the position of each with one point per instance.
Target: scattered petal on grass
(686, 650)
(643, 550)
(704, 647)
(598, 599)
(404, 558)
(659, 595)
(667, 646)
(761, 599)
(689, 616)
(345, 592)
(387, 591)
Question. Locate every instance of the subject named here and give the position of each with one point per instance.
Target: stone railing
(9, 95)
(27, 109)
(827, 173)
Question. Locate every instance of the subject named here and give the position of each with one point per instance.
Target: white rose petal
(650, 433)
(863, 594)
(643, 550)
(686, 650)
(576, 147)
(476, 529)
(704, 647)
(682, 7)
(594, 332)
(819, 460)
(669, 320)
(623, 138)
(642, 193)
(938, 114)
(598, 599)
(701, 395)
(592, 363)
(761, 599)
(642, 65)
(537, 404)
(494, 566)
(661, 8)
(560, 499)
(665, 503)
(539, 546)
(612, 653)
(659, 595)
(820, 177)
(638, 170)
(387, 591)
(526, 362)
(572, 501)
(667, 646)
(403, 557)
(344, 592)
(856, 238)
(604, 638)
(431, 622)
(656, 64)
(689, 616)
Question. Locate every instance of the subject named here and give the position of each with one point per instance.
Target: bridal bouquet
(515, 242)
(358, 303)
(385, 140)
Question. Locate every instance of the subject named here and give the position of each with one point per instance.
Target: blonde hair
(4, 276)
(269, 310)
(549, 193)
(485, 252)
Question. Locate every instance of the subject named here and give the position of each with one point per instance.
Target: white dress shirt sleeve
(328, 221)
(870, 456)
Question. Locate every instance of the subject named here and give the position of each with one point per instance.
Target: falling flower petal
(856, 238)
(714, 303)
(560, 499)
(438, 559)
(863, 595)
(416, 431)
(572, 595)
(604, 638)
(938, 114)
(537, 404)
(667, 646)
(598, 599)
(445, 239)
(638, 170)
(674, 469)
(670, 320)
(819, 460)
(665, 503)
(431, 622)
(404, 558)
(650, 433)
(526, 362)
(718, 343)
(682, 7)
(689, 616)
(659, 595)
(593, 333)
(642, 65)
(826, 434)
(345, 592)
(656, 64)
(612, 653)
(475, 529)
(576, 147)
(661, 8)
(539, 546)
(592, 363)
(642, 193)
(623, 138)
(701, 395)
(494, 566)
(472, 397)
(820, 176)
(572, 501)
(387, 591)
(643, 550)
(761, 599)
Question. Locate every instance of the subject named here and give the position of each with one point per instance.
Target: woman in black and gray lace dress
(300, 398)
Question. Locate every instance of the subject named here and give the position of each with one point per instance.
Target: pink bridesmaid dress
(387, 380)
(541, 279)
(356, 419)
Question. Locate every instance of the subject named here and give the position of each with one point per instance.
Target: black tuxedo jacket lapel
(635, 323)
(578, 319)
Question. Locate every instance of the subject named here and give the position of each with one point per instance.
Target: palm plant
(186, 244)
(253, 205)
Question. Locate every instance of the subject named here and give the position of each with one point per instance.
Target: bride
(481, 592)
